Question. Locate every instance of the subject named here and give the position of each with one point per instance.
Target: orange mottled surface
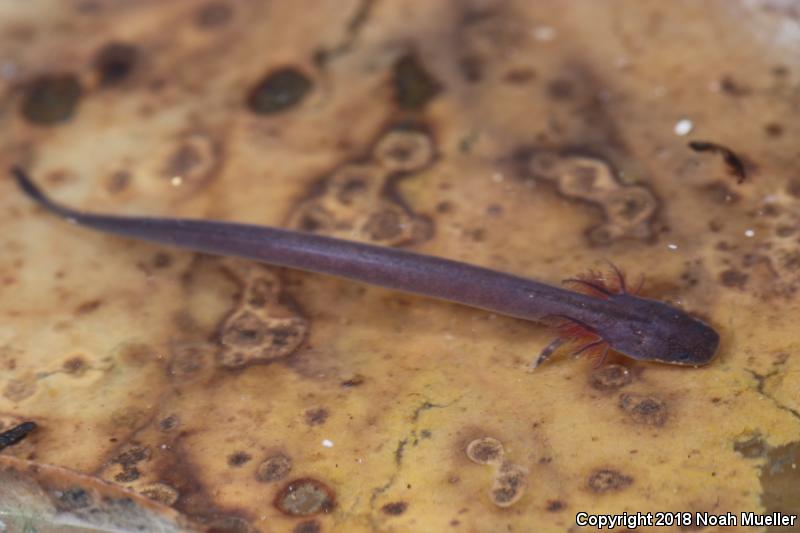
(539, 138)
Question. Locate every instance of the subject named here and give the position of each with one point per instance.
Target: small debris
(683, 127)
(16, 434)
(735, 165)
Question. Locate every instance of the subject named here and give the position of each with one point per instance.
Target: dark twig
(735, 165)
(16, 434)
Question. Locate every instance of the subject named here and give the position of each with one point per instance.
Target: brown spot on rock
(780, 480)
(134, 353)
(561, 89)
(213, 15)
(587, 177)
(279, 91)
(127, 417)
(731, 87)
(246, 330)
(274, 468)
(355, 381)
(73, 498)
(644, 409)
(735, 279)
(133, 454)
(74, 365)
(384, 225)
(247, 338)
(404, 150)
(128, 475)
(752, 447)
(360, 200)
(128, 460)
(195, 160)
(721, 194)
(600, 235)
(261, 292)
(791, 261)
(554, 506)
(118, 181)
(17, 390)
(188, 359)
(630, 210)
(162, 260)
(350, 190)
(631, 205)
(509, 485)
(610, 377)
(485, 450)
(305, 497)
(779, 71)
(88, 307)
(182, 161)
(115, 62)
(316, 417)
(395, 508)
(607, 480)
(414, 87)
(477, 234)
(494, 210)
(263, 327)
(444, 207)
(51, 99)
(793, 187)
(160, 492)
(238, 458)
(546, 164)
(471, 67)
(309, 526)
(519, 76)
(773, 129)
(352, 183)
(169, 423)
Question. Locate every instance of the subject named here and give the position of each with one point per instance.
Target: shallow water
(535, 138)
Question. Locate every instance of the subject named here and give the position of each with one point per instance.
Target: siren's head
(665, 334)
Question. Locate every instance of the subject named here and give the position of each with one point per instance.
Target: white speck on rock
(684, 126)
(544, 33)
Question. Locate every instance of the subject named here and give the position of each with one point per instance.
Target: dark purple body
(638, 327)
